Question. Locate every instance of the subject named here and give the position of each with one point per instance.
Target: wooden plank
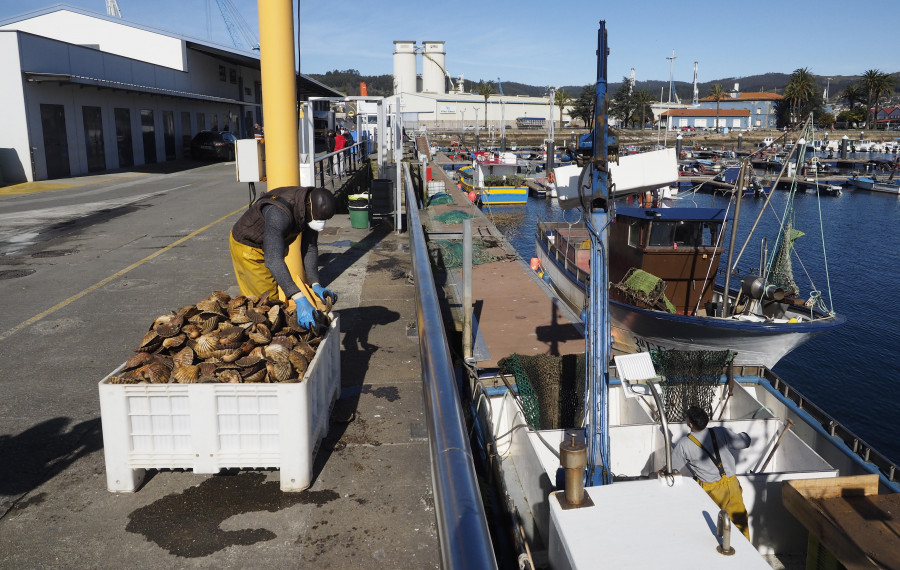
(856, 485)
(858, 526)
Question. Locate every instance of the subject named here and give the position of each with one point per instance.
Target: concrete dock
(86, 266)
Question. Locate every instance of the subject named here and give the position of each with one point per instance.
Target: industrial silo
(433, 69)
(404, 66)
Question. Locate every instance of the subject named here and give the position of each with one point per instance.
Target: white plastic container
(208, 427)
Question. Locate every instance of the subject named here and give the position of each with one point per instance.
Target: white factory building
(83, 92)
(433, 98)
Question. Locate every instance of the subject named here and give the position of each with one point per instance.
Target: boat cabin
(677, 245)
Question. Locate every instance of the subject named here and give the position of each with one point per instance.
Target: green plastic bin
(359, 216)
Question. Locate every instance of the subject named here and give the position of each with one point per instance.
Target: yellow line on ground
(34, 187)
(116, 275)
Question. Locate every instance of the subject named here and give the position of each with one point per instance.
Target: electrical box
(250, 160)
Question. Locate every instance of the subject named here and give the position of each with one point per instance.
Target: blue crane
(241, 33)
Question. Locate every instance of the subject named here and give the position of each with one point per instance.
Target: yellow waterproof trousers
(727, 493)
(255, 279)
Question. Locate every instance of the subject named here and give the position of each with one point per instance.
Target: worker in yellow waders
(260, 239)
(700, 452)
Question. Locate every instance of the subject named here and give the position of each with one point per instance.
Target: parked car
(469, 128)
(215, 145)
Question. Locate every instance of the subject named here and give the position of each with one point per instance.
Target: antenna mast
(112, 9)
(696, 100)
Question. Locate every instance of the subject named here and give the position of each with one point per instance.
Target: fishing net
(781, 272)
(690, 378)
(452, 217)
(551, 388)
(645, 289)
(448, 253)
(440, 199)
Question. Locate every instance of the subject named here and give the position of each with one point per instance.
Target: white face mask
(316, 225)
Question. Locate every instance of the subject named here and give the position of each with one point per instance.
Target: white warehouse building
(424, 100)
(84, 92)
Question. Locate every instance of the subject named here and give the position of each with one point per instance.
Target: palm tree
(875, 83)
(561, 99)
(717, 93)
(486, 89)
(800, 89)
(643, 99)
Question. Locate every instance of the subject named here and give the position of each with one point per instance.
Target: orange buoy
(535, 264)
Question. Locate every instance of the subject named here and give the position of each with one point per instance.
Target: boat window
(634, 233)
(691, 234)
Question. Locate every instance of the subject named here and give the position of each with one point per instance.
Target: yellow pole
(279, 87)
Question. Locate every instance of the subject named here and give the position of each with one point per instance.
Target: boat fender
(535, 264)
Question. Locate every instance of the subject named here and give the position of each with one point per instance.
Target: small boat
(494, 178)
(875, 185)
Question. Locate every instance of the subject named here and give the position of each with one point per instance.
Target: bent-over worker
(260, 239)
(706, 453)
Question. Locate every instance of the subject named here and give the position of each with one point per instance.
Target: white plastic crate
(436, 187)
(208, 427)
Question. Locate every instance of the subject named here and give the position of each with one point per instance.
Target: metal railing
(462, 524)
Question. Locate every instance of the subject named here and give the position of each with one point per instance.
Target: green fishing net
(781, 272)
(452, 217)
(440, 199)
(691, 377)
(551, 388)
(448, 253)
(642, 288)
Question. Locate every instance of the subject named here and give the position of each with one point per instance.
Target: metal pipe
(723, 529)
(787, 426)
(467, 288)
(461, 520)
(739, 192)
(665, 425)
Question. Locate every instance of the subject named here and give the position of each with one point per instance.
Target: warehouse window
(221, 73)
(232, 74)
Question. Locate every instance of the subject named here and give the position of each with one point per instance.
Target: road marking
(112, 277)
(34, 187)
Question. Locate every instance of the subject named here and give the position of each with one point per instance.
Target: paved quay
(85, 267)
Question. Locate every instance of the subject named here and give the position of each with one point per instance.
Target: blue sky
(554, 43)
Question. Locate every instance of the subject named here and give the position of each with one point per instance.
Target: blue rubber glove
(305, 312)
(322, 292)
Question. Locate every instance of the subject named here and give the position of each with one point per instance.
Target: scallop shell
(279, 371)
(284, 341)
(299, 361)
(238, 315)
(256, 377)
(127, 379)
(187, 312)
(137, 360)
(229, 376)
(239, 301)
(276, 317)
(170, 326)
(209, 322)
(210, 305)
(206, 344)
(155, 373)
(257, 316)
(191, 330)
(308, 351)
(222, 297)
(232, 355)
(184, 357)
(150, 342)
(249, 361)
(277, 352)
(259, 334)
(229, 334)
(186, 374)
(174, 341)
(162, 359)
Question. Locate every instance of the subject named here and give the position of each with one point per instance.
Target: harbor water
(852, 373)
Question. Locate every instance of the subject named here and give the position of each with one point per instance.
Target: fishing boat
(494, 178)
(875, 185)
(583, 459)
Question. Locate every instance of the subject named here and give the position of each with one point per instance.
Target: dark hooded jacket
(250, 227)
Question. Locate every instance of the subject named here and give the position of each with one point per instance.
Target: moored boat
(494, 178)
(875, 185)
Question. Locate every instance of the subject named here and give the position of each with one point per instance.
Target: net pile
(448, 253)
(645, 289)
(690, 378)
(551, 388)
(452, 217)
(782, 272)
(441, 199)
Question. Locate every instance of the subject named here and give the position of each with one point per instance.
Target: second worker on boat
(706, 452)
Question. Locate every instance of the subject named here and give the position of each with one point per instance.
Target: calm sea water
(852, 373)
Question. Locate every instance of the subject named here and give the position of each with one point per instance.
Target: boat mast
(597, 339)
(738, 193)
